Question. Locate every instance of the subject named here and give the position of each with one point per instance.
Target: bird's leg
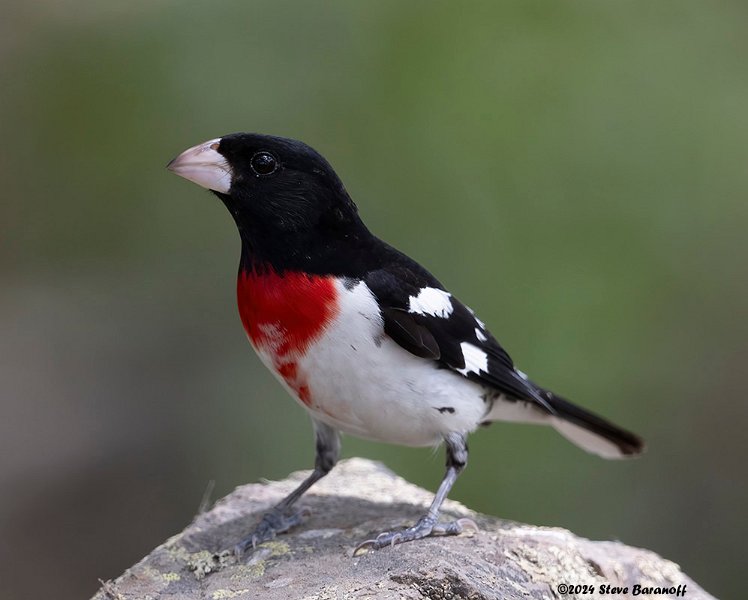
(428, 525)
(280, 518)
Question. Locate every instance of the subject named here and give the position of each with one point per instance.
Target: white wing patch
(475, 359)
(431, 301)
(481, 324)
(480, 335)
(521, 374)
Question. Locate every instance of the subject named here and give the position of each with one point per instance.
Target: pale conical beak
(204, 165)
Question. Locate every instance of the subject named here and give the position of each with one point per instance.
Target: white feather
(475, 359)
(481, 324)
(431, 301)
(587, 440)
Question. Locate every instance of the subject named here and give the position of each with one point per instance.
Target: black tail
(591, 432)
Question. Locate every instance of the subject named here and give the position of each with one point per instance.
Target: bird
(362, 336)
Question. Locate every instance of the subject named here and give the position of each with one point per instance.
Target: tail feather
(591, 432)
(581, 427)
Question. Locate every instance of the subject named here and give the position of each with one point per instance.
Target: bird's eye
(264, 163)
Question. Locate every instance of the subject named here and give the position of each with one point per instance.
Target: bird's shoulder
(424, 318)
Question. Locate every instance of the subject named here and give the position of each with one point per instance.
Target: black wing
(444, 330)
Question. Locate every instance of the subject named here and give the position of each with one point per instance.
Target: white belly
(364, 384)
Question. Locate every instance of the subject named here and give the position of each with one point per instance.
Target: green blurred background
(575, 171)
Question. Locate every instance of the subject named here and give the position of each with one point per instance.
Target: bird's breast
(283, 315)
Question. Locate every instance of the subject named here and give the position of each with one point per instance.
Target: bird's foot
(425, 527)
(272, 523)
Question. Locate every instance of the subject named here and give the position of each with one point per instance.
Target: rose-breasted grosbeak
(363, 337)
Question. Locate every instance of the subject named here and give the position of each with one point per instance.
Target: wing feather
(445, 330)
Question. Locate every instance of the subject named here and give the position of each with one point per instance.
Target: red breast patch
(283, 315)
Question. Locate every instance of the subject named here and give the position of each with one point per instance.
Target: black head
(286, 199)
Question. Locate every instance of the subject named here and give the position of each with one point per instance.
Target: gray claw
(468, 523)
(364, 547)
(455, 527)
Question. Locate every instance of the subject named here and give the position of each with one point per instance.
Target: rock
(504, 560)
